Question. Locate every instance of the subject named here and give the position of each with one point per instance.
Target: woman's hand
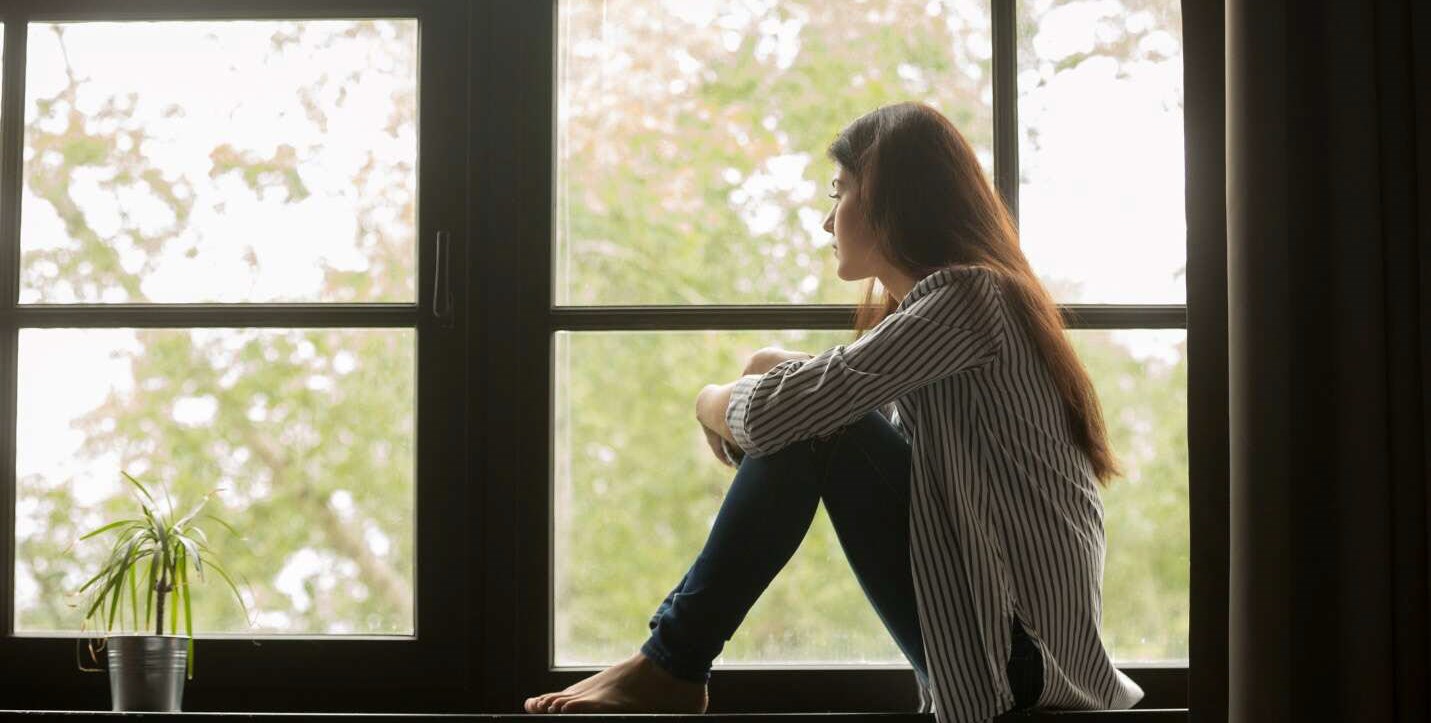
(713, 400)
(717, 445)
(711, 405)
(764, 359)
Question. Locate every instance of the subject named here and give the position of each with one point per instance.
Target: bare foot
(634, 685)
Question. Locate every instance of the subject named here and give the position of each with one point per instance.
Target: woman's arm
(711, 404)
(713, 399)
(945, 332)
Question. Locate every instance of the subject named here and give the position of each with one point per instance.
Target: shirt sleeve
(801, 399)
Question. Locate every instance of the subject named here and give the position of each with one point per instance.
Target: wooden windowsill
(1165, 715)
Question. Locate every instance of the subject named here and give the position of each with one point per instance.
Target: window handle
(442, 306)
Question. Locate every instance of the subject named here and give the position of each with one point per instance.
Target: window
(1101, 217)
(225, 235)
(383, 269)
(689, 158)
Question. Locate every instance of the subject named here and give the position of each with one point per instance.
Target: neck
(897, 283)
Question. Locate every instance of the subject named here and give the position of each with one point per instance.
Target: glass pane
(1101, 210)
(637, 490)
(309, 431)
(229, 161)
(691, 137)
(630, 455)
(1141, 377)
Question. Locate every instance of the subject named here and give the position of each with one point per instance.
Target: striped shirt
(1005, 514)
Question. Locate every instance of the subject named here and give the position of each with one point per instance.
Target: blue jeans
(862, 473)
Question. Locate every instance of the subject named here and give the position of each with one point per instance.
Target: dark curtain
(1329, 322)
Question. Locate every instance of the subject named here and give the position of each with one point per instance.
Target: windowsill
(1168, 715)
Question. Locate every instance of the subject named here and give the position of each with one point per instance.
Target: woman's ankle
(655, 667)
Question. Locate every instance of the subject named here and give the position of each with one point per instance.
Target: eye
(833, 195)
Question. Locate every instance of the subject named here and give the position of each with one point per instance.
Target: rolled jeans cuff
(658, 654)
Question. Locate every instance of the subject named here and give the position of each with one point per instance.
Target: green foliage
(166, 546)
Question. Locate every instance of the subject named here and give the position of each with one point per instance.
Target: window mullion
(831, 316)
(220, 315)
(1006, 116)
(12, 97)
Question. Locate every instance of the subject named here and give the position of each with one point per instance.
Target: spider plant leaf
(185, 520)
(226, 525)
(134, 596)
(167, 499)
(188, 616)
(97, 597)
(183, 587)
(114, 597)
(147, 537)
(117, 557)
(96, 577)
(122, 572)
(110, 579)
(129, 536)
(141, 487)
(113, 574)
(243, 541)
(149, 591)
(193, 552)
(153, 523)
(216, 567)
(178, 589)
(106, 528)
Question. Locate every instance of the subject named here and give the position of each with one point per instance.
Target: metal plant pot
(146, 672)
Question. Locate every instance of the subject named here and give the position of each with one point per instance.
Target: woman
(970, 513)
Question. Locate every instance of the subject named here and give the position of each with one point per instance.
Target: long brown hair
(927, 195)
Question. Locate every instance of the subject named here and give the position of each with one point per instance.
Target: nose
(829, 224)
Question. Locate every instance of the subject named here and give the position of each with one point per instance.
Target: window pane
(637, 490)
(691, 136)
(231, 161)
(1141, 377)
(309, 431)
(1101, 149)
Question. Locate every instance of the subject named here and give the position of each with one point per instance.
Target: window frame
(528, 320)
(231, 672)
(484, 547)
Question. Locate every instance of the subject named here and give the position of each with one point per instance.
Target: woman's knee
(818, 448)
(865, 424)
(866, 450)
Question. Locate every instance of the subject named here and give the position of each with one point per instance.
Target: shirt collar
(938, 278)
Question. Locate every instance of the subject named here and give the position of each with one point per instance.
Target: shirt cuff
(739, 409)
(733, 454)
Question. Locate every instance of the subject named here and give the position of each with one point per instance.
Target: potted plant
(155, 553)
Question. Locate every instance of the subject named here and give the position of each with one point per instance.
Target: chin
(846, 274)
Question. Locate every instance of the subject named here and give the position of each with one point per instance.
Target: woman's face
(855, 241)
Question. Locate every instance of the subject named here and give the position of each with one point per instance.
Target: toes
(610, 703)
(541, 703)
(557, 701)
(582, 705)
